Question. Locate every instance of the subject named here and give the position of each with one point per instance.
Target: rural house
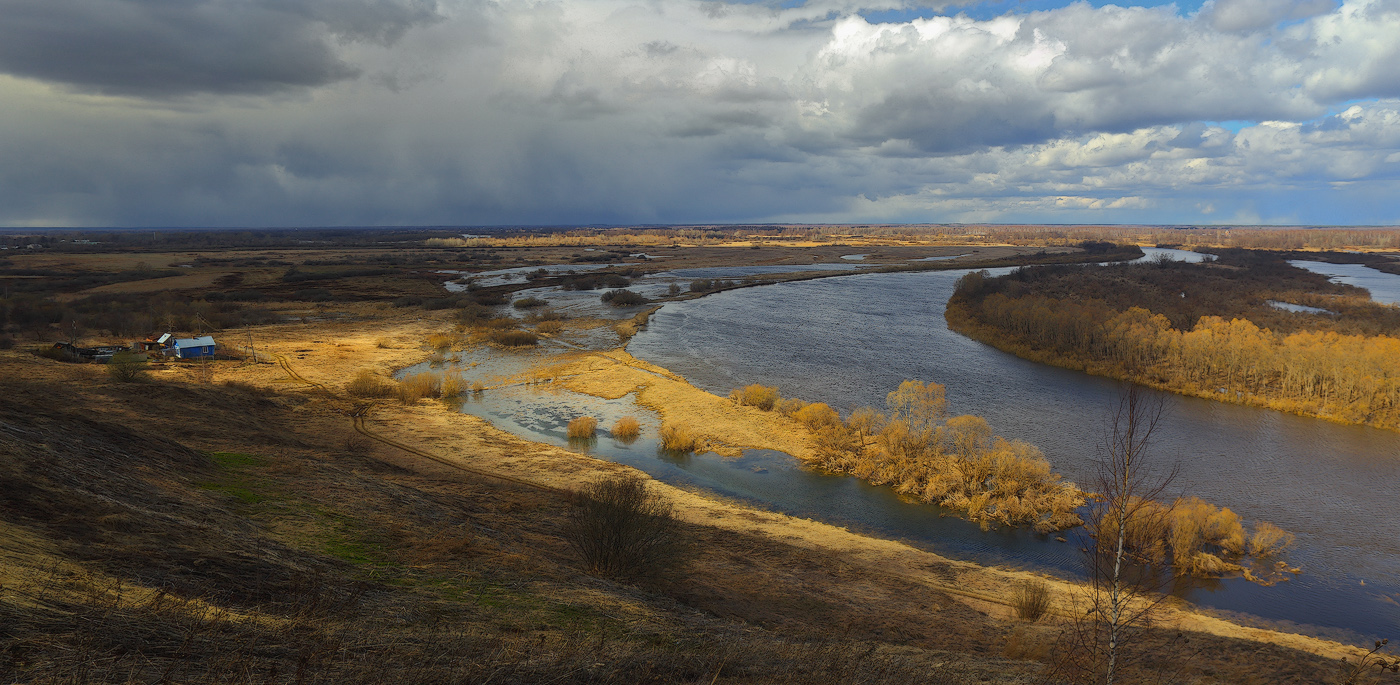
(192, 348)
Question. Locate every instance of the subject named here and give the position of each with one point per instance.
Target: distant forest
(1206, 329)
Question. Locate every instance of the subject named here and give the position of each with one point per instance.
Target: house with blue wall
(192, 348)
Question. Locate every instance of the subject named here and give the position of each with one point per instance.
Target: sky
(210, 113)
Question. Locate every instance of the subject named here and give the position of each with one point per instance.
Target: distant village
(166, 346)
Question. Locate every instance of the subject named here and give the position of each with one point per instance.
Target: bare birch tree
(1125, 551)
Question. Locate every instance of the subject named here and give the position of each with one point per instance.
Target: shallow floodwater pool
(764, 478)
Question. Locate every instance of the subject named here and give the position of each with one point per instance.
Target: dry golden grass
(513, 338)
(583, 428)
(678, 437)
(441, 341)
(549, 327)
(1027, 644)
(627, 429)
(367, 384)
(419, 385)
(452, 385)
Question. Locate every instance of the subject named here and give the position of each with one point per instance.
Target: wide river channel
(849, 340)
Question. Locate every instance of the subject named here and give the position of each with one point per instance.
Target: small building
(192, 348)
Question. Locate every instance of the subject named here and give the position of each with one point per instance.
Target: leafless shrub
(127, 367)
(788, 406)
(1032, 600)
(1269, 540)
(817, 415)
(621, 529)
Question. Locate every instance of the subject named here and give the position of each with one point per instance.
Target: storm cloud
(174, 47)
(221, 112)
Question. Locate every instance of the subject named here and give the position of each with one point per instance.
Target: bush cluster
(623, 298)
(621, 529)
(758, 396)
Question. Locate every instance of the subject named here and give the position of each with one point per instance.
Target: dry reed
(367, 384)
(627, 429)
(678, 437)
(513, 338)
(452, 385)
(583, 428)
(419, 385)
(441, 341)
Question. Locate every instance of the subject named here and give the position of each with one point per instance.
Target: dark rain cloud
(162, 48)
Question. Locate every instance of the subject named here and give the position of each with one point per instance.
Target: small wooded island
(1213, 329)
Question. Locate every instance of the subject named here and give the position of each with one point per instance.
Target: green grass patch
(354, 551)
(233, 460)
(344, 538)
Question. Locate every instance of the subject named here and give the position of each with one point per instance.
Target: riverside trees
(954, 462)
(1342, 367)
(958, 462)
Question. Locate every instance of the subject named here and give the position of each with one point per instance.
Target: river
(848, 341)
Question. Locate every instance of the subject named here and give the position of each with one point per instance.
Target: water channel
(850, 340)
(1384, 287)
